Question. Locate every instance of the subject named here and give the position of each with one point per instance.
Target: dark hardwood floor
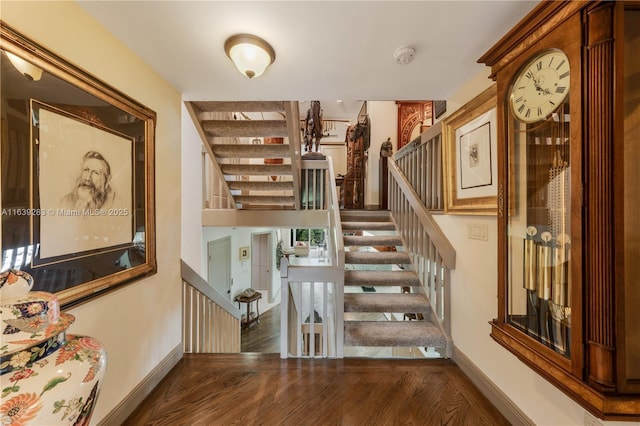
(263, 337)
(262, 389)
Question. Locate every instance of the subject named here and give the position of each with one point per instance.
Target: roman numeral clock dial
(540, 87)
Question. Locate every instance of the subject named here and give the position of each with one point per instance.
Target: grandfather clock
(568, 80)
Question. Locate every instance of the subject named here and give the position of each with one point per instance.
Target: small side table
(248, 300)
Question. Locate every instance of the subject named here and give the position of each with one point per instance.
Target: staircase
(378, 282)
(257, 175)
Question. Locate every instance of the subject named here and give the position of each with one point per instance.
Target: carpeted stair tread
(245, 128)
(265, 199)
(260, 185)
(368, 226)
(242, 106)
(393, 333)
(386, 302)
(256, 169)
(266, 207)
(376, 258)
(251, 151)
(365, 216)
(372, 240)
(381, 278)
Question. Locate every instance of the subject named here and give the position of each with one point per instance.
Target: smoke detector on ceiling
(404, 54)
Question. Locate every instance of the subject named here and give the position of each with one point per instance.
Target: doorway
(219, 265)
(265, 336)
(261, 261)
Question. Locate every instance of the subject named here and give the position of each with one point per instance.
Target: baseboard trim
(493, 393)
(120, 412)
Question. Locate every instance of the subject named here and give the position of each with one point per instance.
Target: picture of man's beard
(90, 195)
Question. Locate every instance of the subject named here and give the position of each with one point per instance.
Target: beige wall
(384, 124)
(191, 226)
(140, 323)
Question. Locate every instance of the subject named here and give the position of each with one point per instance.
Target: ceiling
(325, 50)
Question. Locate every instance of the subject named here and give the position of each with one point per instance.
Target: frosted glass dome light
(250, 54)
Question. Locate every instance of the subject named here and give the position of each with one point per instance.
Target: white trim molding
(119, 414)
(493, 393)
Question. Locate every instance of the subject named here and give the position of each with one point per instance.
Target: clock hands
(537, 84)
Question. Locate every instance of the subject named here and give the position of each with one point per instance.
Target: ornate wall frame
(478, 197)
(40, 91)
(410, 115)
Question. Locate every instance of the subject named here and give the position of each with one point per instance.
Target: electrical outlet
(589, 420)
(478, 231)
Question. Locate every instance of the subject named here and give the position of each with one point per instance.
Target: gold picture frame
(470, 157)
(56, 119)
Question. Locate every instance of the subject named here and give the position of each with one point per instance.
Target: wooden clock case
(599, 372)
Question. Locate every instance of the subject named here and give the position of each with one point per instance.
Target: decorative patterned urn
(48, 377)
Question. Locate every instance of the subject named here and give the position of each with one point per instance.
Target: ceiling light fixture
(251, 55)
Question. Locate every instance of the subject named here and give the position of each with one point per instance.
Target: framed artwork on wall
(470, 156)
(77, 176)
(439, 108)
(244, 253)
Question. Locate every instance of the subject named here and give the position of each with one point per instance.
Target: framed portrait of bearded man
(84, 180)
(77, 176)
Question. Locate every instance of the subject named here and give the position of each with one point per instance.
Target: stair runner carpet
(375, 258)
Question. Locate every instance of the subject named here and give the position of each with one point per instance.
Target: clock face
(540, 87)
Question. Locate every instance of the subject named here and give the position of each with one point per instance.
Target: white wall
(384, 124)
(191, 202)
(140, 323)
(241, 270)
(474, 304)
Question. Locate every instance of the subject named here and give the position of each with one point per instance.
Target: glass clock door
(539, 229)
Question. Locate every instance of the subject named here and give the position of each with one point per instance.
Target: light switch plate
(478, 231)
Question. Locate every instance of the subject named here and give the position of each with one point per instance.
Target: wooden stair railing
(302, 285)
(431, 253)
(420, 161)
(211, 323)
